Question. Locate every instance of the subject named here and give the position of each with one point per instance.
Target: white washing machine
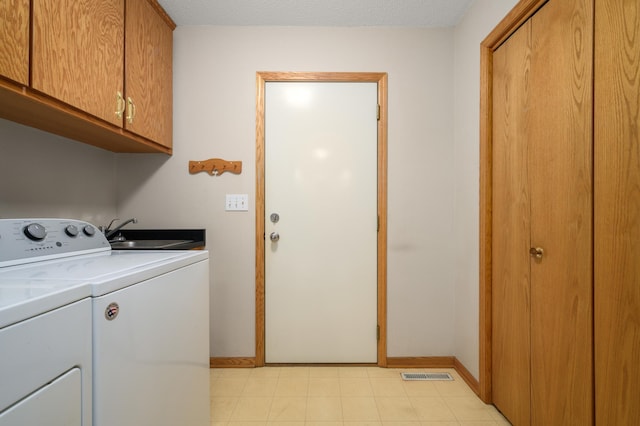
(149, 322)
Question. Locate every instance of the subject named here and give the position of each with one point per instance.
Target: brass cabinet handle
(132, 110)
(120, 104)
(536, 252)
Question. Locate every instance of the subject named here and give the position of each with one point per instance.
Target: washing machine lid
(24, 298)
(47, 263)
(108, 271)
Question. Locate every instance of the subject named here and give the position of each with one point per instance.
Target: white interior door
(321, 181)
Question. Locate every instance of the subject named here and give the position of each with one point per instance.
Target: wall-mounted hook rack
(215, 166)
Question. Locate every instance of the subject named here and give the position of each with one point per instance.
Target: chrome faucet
(108, 232)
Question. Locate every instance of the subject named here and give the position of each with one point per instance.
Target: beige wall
(479, 20)
(433, 169)
(214, 108)
(44, 175)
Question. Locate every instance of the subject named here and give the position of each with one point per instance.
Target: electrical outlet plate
(237, 202)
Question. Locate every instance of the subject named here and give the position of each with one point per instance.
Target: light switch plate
(237, 202)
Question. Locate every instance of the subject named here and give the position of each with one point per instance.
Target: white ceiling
(342, 13)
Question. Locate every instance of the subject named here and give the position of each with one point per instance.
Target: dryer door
(59, 402)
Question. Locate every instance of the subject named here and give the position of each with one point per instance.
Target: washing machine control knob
(89, 230)
(35, 232)
(71, 230)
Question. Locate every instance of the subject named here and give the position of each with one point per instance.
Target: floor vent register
(426, 376)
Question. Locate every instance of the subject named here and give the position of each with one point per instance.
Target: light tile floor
(343, 396)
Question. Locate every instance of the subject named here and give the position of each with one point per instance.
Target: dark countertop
(194, 238)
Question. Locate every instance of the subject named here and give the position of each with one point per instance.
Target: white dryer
(45, 334)
(149, 325)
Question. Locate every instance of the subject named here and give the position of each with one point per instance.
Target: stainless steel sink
(147, 244)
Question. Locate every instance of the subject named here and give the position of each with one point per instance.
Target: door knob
(536, 252)
(274, 236)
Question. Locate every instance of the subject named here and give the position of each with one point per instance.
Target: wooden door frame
(381, 79)
(511, 22)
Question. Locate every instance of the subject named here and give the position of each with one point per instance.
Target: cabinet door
(14, 40)
(617, 212)
(78, 53)
(148, 76)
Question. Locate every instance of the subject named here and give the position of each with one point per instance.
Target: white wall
(479, 20)
(214, 116)
(44, 175)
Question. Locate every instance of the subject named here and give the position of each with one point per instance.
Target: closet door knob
(536, 252)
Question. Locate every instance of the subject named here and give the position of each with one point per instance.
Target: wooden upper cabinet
(148, 72)
(78, 54)
(78, 50)
(14, 40)
(63, 70)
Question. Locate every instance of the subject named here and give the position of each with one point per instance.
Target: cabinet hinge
(377, 332)
(378, 112)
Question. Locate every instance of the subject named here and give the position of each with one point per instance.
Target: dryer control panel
(30, 240)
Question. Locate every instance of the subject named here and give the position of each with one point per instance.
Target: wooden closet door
(617, 212)
(542, 337)
(511, 229)
(560, 170)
